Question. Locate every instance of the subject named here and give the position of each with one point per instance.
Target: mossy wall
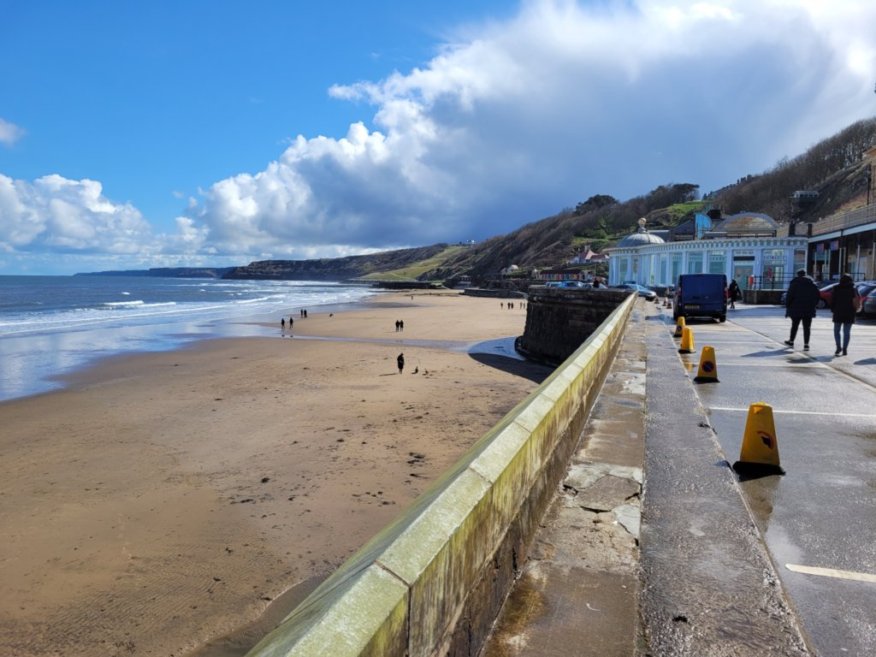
(432, 583)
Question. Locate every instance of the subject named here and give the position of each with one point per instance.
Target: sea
(52, 326)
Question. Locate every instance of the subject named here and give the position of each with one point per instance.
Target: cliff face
(334, 269)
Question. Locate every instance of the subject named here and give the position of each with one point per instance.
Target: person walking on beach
(401, 362)
(733, 293)
(283, 324)
(844, 304)
(291, 321)
(800, 302)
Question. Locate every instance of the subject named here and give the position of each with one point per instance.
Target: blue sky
(135, 135)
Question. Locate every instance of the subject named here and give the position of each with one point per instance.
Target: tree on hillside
(596, 202)
(770, 192)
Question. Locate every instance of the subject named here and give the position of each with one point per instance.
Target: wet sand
(164, 501)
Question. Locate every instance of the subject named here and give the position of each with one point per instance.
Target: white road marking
(830, 572)
(792, 412)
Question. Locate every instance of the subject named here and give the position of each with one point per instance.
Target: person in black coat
(733, 293)
(800, 302)
(844, 305)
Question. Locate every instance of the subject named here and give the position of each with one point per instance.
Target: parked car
(641, 290)
(867, 290)
(569, 284)
(822, 285)
(701, 295)
(826, 294)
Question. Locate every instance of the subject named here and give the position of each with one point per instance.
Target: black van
(701, 295)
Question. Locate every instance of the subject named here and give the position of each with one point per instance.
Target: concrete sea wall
(558, 320)
(432, 582)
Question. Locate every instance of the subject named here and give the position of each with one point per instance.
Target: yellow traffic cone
(687, 341)
(679, 326)
(760, 447)
(708, 371)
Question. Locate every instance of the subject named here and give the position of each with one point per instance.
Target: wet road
(819, 520)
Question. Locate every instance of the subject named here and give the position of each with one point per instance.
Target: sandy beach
(162, 502)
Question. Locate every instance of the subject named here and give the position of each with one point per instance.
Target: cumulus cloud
(9, 132)
(59, 215)
(512, 121)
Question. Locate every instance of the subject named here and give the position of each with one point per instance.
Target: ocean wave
(124, 304)
(272, 297)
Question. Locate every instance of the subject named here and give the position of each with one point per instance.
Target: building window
(773, 276)
(695, 263)
(676, 267)
(717, 262)
(799, 259)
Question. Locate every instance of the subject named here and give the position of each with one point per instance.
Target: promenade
(653, 546)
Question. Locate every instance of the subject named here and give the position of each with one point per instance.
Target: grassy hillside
(416, 270)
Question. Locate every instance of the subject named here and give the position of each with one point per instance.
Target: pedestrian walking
(733, 293)
(844, 304)
(401, 362)
(283, 324)
(800, 302)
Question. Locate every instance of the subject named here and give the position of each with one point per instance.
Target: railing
(842, 220)
(781, 283)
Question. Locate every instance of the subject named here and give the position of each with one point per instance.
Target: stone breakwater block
(567, 379)
(510, 463)
(366, 619)
(440, 556)
(565, 402)
(543, 423)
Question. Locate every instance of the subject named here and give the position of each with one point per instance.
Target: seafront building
(745, 247)
(845, 242)
(754, 249)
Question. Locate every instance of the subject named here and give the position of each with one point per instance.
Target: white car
(641, 290)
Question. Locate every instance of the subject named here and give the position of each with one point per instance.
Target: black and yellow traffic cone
(679, 327)
(760, 447)
(687, 341)
(708, 370)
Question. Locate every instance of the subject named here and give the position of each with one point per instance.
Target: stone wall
(558, 320)
(432, 583)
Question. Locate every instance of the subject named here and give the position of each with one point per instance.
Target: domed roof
(747, 223)
(640, 237)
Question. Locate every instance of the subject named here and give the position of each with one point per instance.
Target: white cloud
(510, 122)
(9, 132)
(60, 215)
(518, 119)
